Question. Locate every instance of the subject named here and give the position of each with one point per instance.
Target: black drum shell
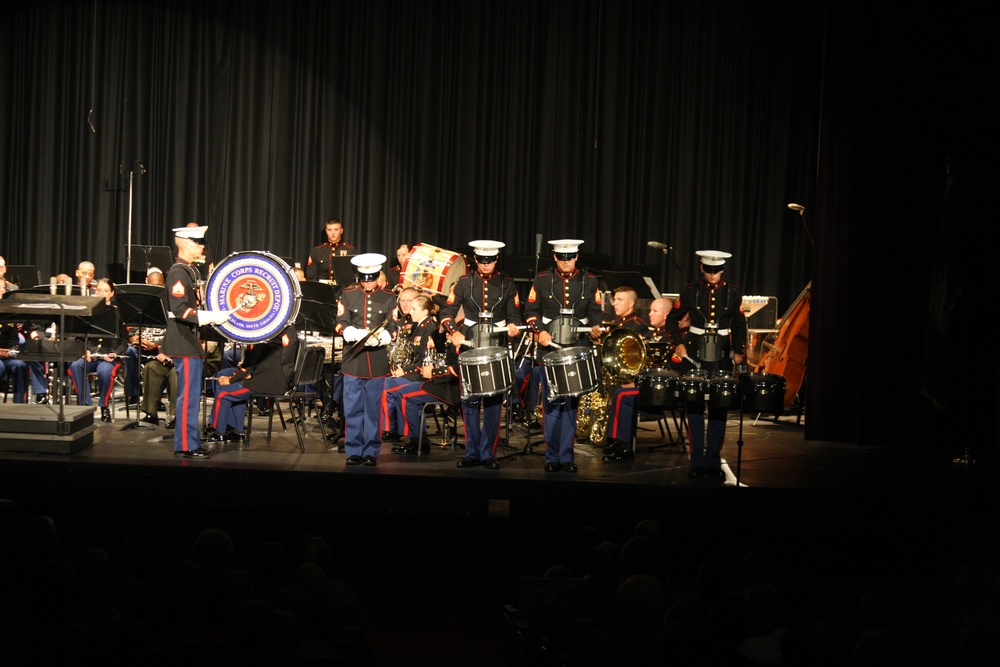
(572, 371)
(659, 389)
(763, 392)
(486, 371)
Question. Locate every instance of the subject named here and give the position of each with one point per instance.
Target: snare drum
(723, 392)
(659, 389)
(764, 392)
(571, 371)
(692, 388)
(485, 372)
(432, 269)
(262, 290)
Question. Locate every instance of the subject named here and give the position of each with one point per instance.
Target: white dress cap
(713, 257)
(487, 248)
(566, 245)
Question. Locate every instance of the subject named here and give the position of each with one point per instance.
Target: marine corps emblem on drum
(261, 289)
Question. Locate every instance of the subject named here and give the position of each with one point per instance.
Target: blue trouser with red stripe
(187, 436)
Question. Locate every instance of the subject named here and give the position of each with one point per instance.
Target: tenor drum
(485, 372)
(659, 389)
(764, 392)
(432, 269)
(723, 392)
(711, 347)
(692, 388)
(565, 330)
(262, 290)
(571, 371)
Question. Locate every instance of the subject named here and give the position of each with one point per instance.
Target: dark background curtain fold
(442, 121)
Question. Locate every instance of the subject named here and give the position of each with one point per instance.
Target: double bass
(788, 354)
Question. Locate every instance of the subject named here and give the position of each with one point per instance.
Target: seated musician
(159, 371)
(406, 355)
(440, 384)
(266, 367)
(104, 355)
(623, 403)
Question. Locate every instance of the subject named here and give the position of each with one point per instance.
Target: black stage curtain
(441, 121)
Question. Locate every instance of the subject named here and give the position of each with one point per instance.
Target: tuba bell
(623, 354)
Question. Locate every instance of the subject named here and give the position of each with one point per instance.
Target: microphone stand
(528, 415)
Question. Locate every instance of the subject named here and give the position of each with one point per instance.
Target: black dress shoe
(195, 453)
(491, 464)
(171, 424)
(263, 412)
(105, 414)
(389, 436)
(552, 467)
(369, 461)
(696, 472)
(213, 436)
(150, 419)
(715, 473)
(619, 455)
(42, 399)
(569, 466)
(353, 460)
(399, 449)
(468, 463)
(236, 436)
(414, 447)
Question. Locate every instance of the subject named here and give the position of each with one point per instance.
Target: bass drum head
(432, 269)
(262, 290)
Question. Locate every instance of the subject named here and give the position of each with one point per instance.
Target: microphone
(659, 246)
(798, 208)
(538, 244)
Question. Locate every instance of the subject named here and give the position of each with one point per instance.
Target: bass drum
(572, 371)
(485, 372)
(262, 290)
(432, 269)
(659, 389)
(764, 392)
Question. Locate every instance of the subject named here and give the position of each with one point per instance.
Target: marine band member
(364, 319)
(717, 332)
(564, 290)
(489, 300)
(320, 264)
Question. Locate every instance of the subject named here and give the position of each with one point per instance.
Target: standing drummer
(562, 292)
(715, 341)
(364, 319)
(489, 300)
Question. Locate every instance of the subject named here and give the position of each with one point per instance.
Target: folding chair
(308, 371)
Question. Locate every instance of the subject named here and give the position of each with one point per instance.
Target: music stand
(24, 275)
(633, 279)
(317, 309)
(28, 305)
(140, 306)
(159, 256)
(343, 271)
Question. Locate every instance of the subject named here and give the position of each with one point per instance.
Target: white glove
(213, 316)
(384, 337)
(353, 334)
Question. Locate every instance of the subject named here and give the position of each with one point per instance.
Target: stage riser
(37, 428)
